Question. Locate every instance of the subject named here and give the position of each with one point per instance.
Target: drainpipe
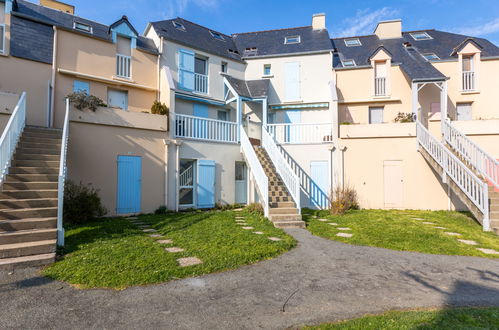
(54, 67)
(167, 145)
(177, 167)
(159, 67)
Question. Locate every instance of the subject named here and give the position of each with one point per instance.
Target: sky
(343, 18)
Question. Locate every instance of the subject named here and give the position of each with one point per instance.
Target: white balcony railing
(2, 38)
(63, 171)
(468, 81)
(187, 177)
(205, 129)
(301, 133)
(380, 86)
(123, 66)
(200, 83)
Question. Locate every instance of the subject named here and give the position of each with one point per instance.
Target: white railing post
(468, 81)
(301, 133)
(380, 86)
(123, 66)
(205, 129)
(62, 177)
(201, 83)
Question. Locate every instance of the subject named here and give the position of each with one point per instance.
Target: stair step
(28, 261)
(32, 177)
(42, 133)
(26, 156)
(28, 194)
(289, 224)
(282, 205)
(285, 217)
(276, 211)
(12, 214)
(22, 236)
(494, 207)
(27, 249)
(29, 185)
(494, 215)
(27, 203)
(42, 139)
(27, 224)
(34, 170)
(35, 163)
(42, 146)
(43, 151)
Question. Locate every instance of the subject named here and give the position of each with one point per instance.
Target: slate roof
(249, 88)
(271, 43)
(31, 40)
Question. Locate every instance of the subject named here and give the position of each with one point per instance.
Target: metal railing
(301, 133)
(471, 185)
(11, 135)
(62, 177)
(468, 81)
(256, 169)
(199, 128)
(380, 86)
(478, 159)
(186, 177)
(285, 171)
(2, 38)
(201, 83)
(123, 66)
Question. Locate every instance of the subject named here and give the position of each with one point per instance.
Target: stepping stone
(190, 261)
(344, 235)
(467, 242)
(418, 219)
(439, 227)
(258, 232)
(247, 228)
(314, 216)
(275, 239)
(132, 218)
(242, 224)
(238, 210)
(429, 223)
(144, 226)
(333, 224)
(323, 220)
(239, 218)
(155, 236)
(487, 251)
(452, 234)
(164, 241)
(149, 230)
(344, 228)
(174, 249)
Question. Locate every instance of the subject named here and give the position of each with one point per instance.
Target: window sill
(382, 97)
(128, 80)
(470, 92)
(268, 76)
(292, 101)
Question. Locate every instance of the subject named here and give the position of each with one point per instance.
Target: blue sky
(343, 17)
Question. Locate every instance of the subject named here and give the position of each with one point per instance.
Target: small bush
(344, 199)
(161, 210)
(81, 203)
(226, 207)
(81, 100)
(159, 108)
(404, 118)
(255, 208)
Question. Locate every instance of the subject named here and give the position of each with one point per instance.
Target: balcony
(123, 66)
(380, 86)
(468, 81)
(200, 83)
(301, 133)
(2, 38)
(198, 128)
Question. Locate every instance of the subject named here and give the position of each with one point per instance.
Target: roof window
(292, 40)
(251, 51)
(352, 42)
(348, 63)
(82, 27)
(431, 56)
(232, 51)
(178, 26)
(217, 36)
(420, 36)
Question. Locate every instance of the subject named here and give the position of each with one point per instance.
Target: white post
(415, 100)
(239, 118)
(264, 113)
(443, 108)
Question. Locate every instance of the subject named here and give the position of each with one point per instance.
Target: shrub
(256, 208)
(159, 108)
(226, 207)
(344, 199)
(81, 100)
(161, 210)
(404, 118)
(81, 203)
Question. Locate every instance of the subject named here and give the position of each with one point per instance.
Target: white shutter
(375, 115)
(380, 69)
(292, 82)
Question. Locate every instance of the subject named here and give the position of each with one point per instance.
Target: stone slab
(189, 261)
(164, 241)
(439, 227)
(418, 219)
(429, 223)
(247, 228)
(242, 223)
(155, 236)
(149, 230)
(275, 239)
(488, 251)
(258, 232)
(174, 249)
(344, 235)
(333, 224)
(452, 234)
(323, 220)
(467, 242)
(344, 228)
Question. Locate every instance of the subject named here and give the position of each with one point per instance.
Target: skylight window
(217, 36)
(420, 36)
(431, 56)
(352, 42)
(82, 27)
(178, 26)
(292, 40)
(232, 51)
(348, 63)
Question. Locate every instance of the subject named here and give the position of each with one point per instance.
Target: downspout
(159, 67)
(54, 66)
(177, 167)
(167, 145)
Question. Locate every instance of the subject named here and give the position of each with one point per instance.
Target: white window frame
(430, 54)
(427, 36)
(348, 66)
(265, 74)
(216, 35)
(382, 114)
(2, 37)
(178, 26)
(356, 41)
(76, 24)
(288, 42)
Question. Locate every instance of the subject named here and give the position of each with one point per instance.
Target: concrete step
(37, 139)
(42, 133)
(28, 261)
(27, 203)
(276, 211)
(27, 224)
(42, 146)
(289, 224)
(25, 156)
(27, 249)
(12, 214)
(32, 177)
(22, 236)
(35, 163)
(285, 217)
(494, 207)
(494, 215)
(28, 194)
(34, 170)
(40, 129)
(279, 193)
(279, 199)
(282, 205)
(44, 151)
(29, 185)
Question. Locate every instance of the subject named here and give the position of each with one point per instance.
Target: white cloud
(480, 30)
(179, 7)
(364, 21)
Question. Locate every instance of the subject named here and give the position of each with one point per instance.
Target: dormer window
(292, 40)
(348, 63)
(82, 27)
(217, 36)
(431, 56)
(232, 51)
(353, 42)
(178, 26)
(420, 36)
(251, 51)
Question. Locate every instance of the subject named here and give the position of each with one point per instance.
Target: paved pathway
(321, 281)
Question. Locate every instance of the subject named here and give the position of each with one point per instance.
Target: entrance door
(129, 184)
(393, 184)
(117, 99)
(320, 185)
(206, 184)
(293, 131)
(241, 183)
(187, 173)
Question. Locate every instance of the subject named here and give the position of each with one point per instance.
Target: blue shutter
(200, 125)
(206, 184)
(319, 185)
(293, 134)
(129, 184)
(292, 83)
(186, 69)
(81, 86)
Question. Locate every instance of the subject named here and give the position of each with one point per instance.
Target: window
(271, 117)
(123, 57)
(81, 86)
(222, 115)
(375, 115)
(464, 111)
(217, 36)
(124, 46)
(292, 40)
(117, 99)
(178, 26)
(467, 63)
(82, 27)
(431, 56)
(233, 51)
(267, 70)
(186, 181)
(420, 36)
(352, 42)
(2, 38)
(348, 63)
(224, 67)
(251, 51)
(200, 66)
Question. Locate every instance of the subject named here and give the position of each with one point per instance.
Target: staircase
(494, 210)
(28, 201)
(283, 211)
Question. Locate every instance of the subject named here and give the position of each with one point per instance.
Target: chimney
(389, 29)
(57, 5)
(319, 21)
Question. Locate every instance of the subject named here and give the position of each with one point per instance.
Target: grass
(398, 230)
(459, 318)
(114, 253)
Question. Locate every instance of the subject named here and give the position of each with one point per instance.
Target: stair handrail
(288, 176)
(11, 134)
(471, 185)
(478, 158)
(62, 177)
(256, 169)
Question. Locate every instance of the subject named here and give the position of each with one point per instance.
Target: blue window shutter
(292, 82)
(319, 184)
(186, 69)
(81, 86)
(293, 133)
(200, 110)
(206, 184)
(200, 125)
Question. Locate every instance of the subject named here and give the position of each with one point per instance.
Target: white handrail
(186, 177)
(478, 158)
(471, 185)
(285, 171)
(199, 128)
(256, 169)
(301, 133)
(62, 177)
(11, 135)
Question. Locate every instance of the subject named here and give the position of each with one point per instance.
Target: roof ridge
(283, 29)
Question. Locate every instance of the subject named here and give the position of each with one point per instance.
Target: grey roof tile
(31, 40)
(249, 88)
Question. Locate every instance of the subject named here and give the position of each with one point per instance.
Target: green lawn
(460, 318)
(114, 253)
(398, 230)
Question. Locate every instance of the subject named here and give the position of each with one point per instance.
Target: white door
(464, 111)
(241, 183)
(117, 99)
(393, 184)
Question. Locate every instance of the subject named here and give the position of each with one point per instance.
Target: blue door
(200, 125)
(206, 184)
(293, 132)
(129, 184)
(319, 185)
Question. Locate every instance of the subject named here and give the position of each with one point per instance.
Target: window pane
(467, 63)
(222, 115)
(380, 69)
(186, 196)
(1, 38)
(240, 171)
(200, 66)
(124, 46)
